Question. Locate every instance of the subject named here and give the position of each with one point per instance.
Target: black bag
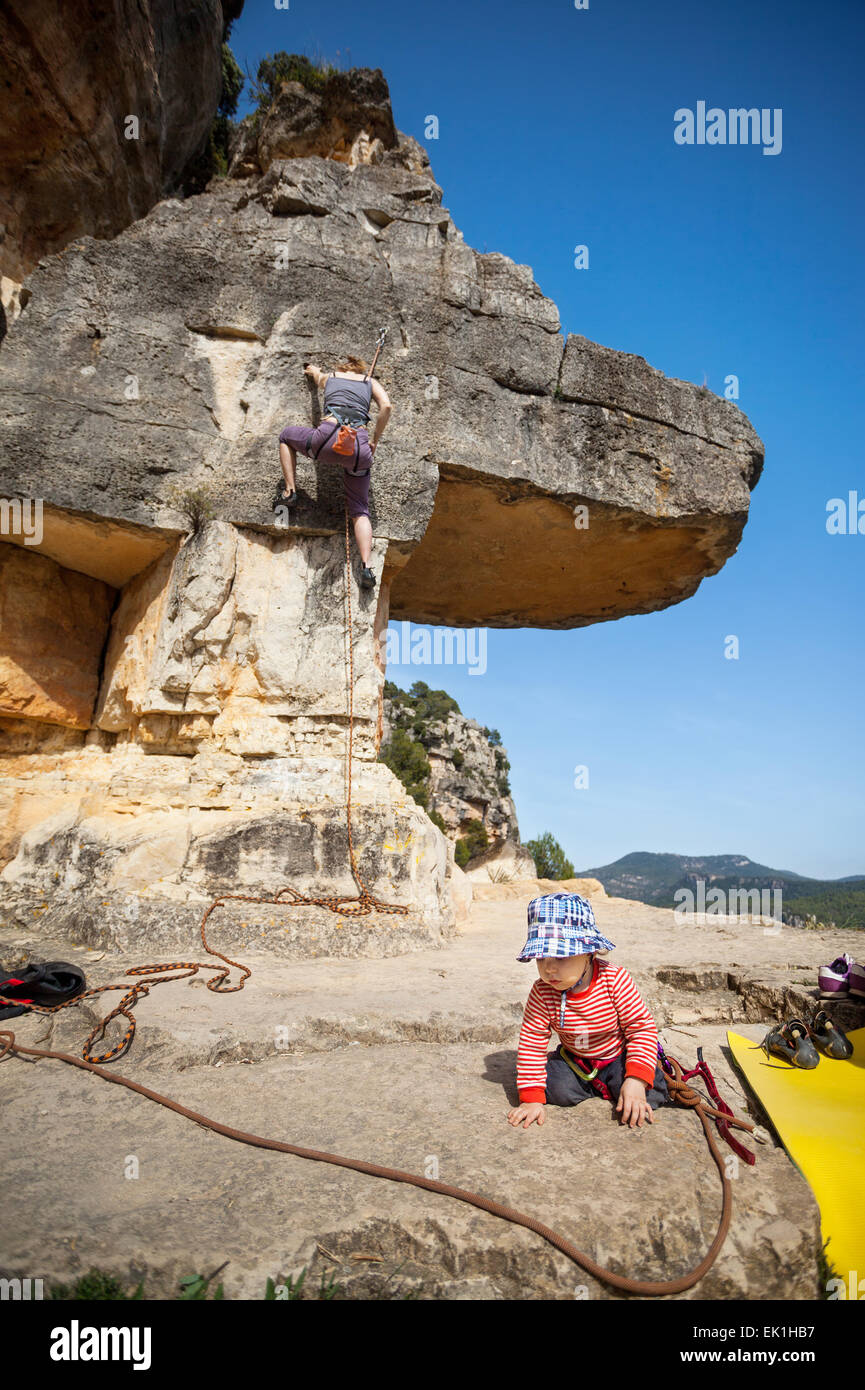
(52, 982)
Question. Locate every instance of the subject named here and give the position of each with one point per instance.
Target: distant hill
(654, 878)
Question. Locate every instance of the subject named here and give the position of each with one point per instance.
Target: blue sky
(556, 128)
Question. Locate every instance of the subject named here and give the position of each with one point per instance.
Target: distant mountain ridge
(654, 878)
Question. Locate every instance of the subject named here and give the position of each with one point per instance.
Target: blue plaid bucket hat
(562, 924)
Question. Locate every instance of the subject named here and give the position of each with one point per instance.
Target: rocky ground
(406, 1060)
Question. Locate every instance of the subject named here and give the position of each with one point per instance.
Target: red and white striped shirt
(599, 1022)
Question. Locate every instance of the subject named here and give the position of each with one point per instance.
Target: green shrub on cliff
(413, 715)
(549, 857)
(419, 708)
(472, 843)
(503, 767)
(276, 68)
(196, 504)
(408, 760)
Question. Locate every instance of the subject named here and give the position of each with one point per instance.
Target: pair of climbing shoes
(797, 1042)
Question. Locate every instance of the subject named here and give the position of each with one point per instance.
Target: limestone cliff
(192, 735)
(74, 77)
(463, 778)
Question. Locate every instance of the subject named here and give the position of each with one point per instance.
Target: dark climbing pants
(564, 1087)
(315, 443)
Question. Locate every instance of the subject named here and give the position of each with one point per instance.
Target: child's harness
(720, 1112)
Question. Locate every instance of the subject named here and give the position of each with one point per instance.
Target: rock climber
(349, 391)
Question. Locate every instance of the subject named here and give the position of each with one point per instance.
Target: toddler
(609, 1041)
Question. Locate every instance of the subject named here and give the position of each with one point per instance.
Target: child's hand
(632, 1104)
(527, 1114)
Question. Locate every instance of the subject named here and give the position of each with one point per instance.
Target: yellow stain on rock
(399, 845)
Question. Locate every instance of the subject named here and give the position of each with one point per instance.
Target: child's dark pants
(564, 1087)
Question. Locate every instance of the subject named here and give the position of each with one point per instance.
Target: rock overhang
(170, 358)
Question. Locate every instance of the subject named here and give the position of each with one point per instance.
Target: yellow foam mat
(819, 1117)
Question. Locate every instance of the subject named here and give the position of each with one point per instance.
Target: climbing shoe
(367, 578)
(792, 1043)
(829, 1038)
(288, 499)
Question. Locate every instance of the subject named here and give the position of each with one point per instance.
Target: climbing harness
(346, 442)
(574, 1064)
(345, 429)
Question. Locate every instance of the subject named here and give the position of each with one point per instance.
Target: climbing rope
(682, 1095)
(360, 906)
(366, 902)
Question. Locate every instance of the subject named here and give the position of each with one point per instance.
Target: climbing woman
(342, 438)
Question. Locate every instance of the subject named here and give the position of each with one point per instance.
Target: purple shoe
(834, 979)
(857, 980)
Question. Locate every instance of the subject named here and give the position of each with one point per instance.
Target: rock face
(164, 363)
(349, 119)
(53, 622)
(215, 760)
(74, 75)
(467, 783)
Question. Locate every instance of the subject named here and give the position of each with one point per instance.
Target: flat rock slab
(200, 1199)
(470, 989)
(407, 1061)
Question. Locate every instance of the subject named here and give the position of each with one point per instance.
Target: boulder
(348, 118)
